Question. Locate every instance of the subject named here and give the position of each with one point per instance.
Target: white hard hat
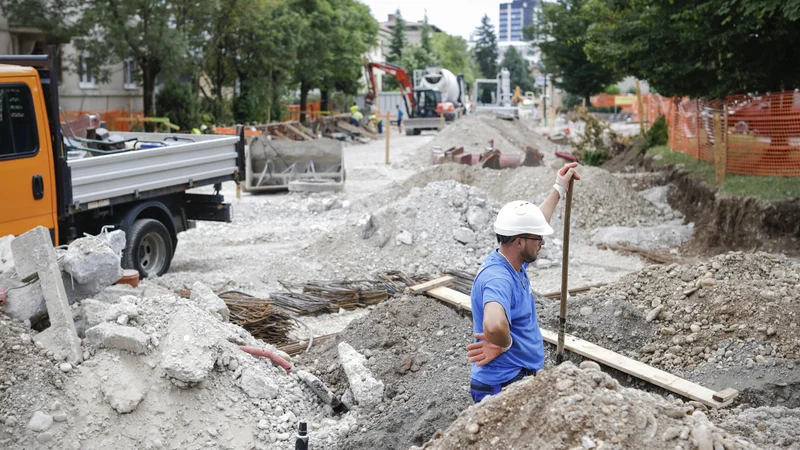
(521, 217)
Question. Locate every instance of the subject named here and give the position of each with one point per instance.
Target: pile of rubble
(582, 408)
(442, 225)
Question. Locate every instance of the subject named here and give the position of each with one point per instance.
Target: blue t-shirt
(399, 114)
(498, 282)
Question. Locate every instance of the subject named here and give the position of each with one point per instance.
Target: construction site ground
(720, 319)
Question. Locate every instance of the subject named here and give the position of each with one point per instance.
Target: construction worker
(353, 108)
(377, 122)
(508, 343)
(399, 119)
(356, 118)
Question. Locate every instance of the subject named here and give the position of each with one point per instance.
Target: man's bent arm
(495, 324)
(549, 205)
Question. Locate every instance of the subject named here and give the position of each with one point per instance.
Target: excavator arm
(400, 74)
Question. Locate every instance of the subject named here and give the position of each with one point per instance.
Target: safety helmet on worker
(521, 217)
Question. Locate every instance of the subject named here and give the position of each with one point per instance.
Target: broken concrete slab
(208, 300)
(116, 240)
(477, 217)
(34, 254)
(464, 235)
(96, 312)
(92, 263)
(6, 256)
(190, 349)
(254, 383)
(665, 236)
(113, 335)
(404, 237)
(367, 390)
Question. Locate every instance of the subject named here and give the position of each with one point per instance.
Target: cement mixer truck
(449, 85)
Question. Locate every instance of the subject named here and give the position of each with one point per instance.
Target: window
(87, 78)
(18, 134)
(129, 71)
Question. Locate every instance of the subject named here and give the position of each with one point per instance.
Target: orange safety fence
(741, 134)
(293, 111)
(108, 116)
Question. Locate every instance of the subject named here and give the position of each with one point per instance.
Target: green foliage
(612, 89)
(451, 52)
(519, 70)
(631, 90)
(177, 101)
(398, 42)
(486, 51)
(701, 49)
(425, 38)
(598, 142)
(559, 34)
(658, 132)
(570, 101)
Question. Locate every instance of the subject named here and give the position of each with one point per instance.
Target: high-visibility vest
(353, 109)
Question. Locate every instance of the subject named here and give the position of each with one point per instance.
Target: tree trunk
(149, 73)
(303, 100)
(324, 99)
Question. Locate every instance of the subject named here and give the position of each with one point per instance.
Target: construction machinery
(439, 93)
(81, 178)
(303, 166)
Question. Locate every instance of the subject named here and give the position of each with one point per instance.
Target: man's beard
(528, 258)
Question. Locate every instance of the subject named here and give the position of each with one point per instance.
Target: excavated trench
(735, 223)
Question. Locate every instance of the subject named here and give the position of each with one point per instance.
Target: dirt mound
(568, 407)
(415, 345)
(474, 133)
(771, 427)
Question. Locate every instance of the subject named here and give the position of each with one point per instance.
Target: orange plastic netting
(757, 134)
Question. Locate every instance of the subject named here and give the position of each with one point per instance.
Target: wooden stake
(641, 107)
(562, 318)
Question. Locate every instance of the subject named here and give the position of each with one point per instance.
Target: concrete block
(124, 390)
(92, 263)
(112, 335)
(254, 383)
(367, 390)
(315, 186)
(319, 388)
(116, 240)
(366, 226)
(208, 300)
(34, 253)
(190, 349)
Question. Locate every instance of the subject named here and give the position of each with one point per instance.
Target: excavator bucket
(310, 166)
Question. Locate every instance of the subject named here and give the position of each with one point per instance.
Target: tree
(334, 35)
(560, 36)
(486, 52)
(398, 42)
(154, 33)
(700, 49)
(452, 53)
(519, 70)
(425, 39)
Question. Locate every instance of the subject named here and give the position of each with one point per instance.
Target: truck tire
(148, 248)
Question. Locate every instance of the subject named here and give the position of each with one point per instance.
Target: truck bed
(99, 180)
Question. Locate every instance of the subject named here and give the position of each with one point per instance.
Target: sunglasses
(540, 239)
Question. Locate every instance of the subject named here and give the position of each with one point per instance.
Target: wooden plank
(725, 395)
(298, 132)
(605, 357)
(428, 285)
(357, 130)
(452, 297)
(556, 295)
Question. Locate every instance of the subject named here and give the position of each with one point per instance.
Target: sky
(456, 17)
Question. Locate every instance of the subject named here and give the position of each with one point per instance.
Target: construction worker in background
(377, 122)
(399, 119)
(353, 108)
(356, 118)
(508, 343)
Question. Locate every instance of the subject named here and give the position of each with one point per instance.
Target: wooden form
(602, 355)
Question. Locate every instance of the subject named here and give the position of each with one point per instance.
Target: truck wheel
(148, 248)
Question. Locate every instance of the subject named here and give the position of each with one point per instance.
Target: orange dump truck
(136, 182)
